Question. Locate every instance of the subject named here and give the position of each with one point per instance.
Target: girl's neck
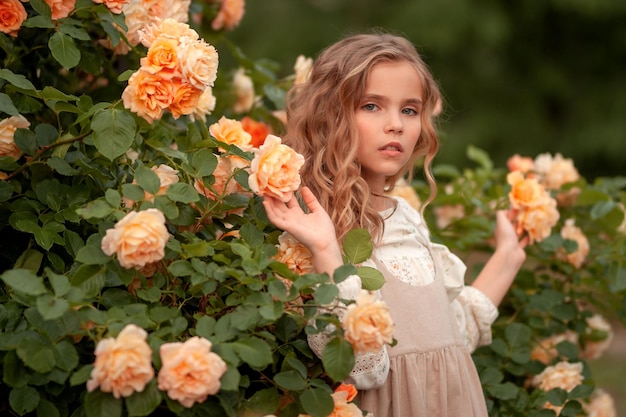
(380, 202)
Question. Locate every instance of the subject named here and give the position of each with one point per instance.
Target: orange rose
(205, 106)
(572, 232)
(545, 351)
(349, 388)
(367, 324)
(601, 405)
(230, 131)
(190, 371)
(294, 254)
(12, 15)
(244, 92)
(7, 136)
(123, 365)
(230, 14)
(167, 176)
(138, 239)
(302, 69)
(165, 27)
(520, 163)
(224, 183)
(199, 62)
(555, 171)
(185, 98)
(162, 58)
(524, 191)
(344, 408)
(148, 95)
(275, 170)
(61, 8)
(538, 220)
(115, 6)
(563, 375)
(257, 130)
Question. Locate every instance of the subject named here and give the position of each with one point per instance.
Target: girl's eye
(370, 107)
(410, 112)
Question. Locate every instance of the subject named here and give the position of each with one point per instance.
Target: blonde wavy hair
(321, 126)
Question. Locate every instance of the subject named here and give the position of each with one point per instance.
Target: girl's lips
(392, 147)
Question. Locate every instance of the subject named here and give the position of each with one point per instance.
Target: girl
(362, 120)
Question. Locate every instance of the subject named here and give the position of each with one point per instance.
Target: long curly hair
(321, 126)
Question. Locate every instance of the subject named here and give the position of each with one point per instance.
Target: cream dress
(438, 321)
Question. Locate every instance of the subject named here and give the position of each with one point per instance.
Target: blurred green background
(523, 77)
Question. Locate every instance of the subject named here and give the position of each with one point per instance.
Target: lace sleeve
(475, 314)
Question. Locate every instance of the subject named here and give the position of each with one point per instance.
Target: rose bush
(140, 275)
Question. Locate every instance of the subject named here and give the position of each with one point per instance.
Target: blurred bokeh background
(523, 77)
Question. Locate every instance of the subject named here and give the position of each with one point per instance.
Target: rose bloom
(244, 92)
(594, 348)
(205, 105)
(123, 365)
(302, 69)
(367, 324)
(138, 239)
(344, 408)
(7, 136)
(275, 170)
(12, 15)
(230, 131)
(147, 95)
(115, 6)
(61, 8)
(167, 28)
(555, 172)
(524, 191)
(545, 351)
(184, 99)
(572, 232)
(162, 58)
(199, 61)
(229, 15)
(564, 375)
(601, 405)
(294, 254)
(520, 163)
(538, 220)
(448, 213)
(190, 371)
(257, 130)
(404, 190)
(349, 388)
(167, 176)
(141, 14)
(224, 183)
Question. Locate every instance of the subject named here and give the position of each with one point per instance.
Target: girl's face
(388, 121)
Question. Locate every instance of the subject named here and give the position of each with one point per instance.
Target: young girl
(362, 120)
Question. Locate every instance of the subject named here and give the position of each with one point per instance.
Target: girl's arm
(496, 277)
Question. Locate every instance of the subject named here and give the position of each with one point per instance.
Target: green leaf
(338, 358)
(64, 50)
(13, 372)
(24, 281)
(254, 351)
(517, 334)
(617, 277)
(114, 132)
(506, 391)
(371, 279)
(357, 246)
(182, 192)
(92, 255)
(47, 409)
(51, 307)
(145, 402)
(290, 380)
(147, 179)
(263, 402)
(100, 404)
(81, 376)
(61, 166)
(7, 106)
(17, 80)
(36, 355)
(480, 157)
(6, 190)
(96, 209)
(205, 162)
(325, 294)
(24, 399)
(317, 402)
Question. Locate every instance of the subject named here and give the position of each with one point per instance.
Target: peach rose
(525, 191)
(538, 220)
(275, 170)
(448, 213)
(257, 130)
(564, 375)
(224, 183)
(601, 405)
(244, 92)
(302, 69)
(344, 408)
(185, 98)
(231, 131)
(545, 351)
(229, 15)
(349, 388)
(167, 176)
(123, 365)
(190, 371)
(367, 324)
(148, 95)
(162, 58)
(294, 254)
(12, 15)
(520, 163)
(115, 6)
(138, 239)
(205, 106)
(555, 171)
(199, 62)
(61, 8)
(572, 232)
(598, 337)
(170, 28)
(7, 136)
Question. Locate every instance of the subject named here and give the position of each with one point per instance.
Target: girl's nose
(394, 124)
